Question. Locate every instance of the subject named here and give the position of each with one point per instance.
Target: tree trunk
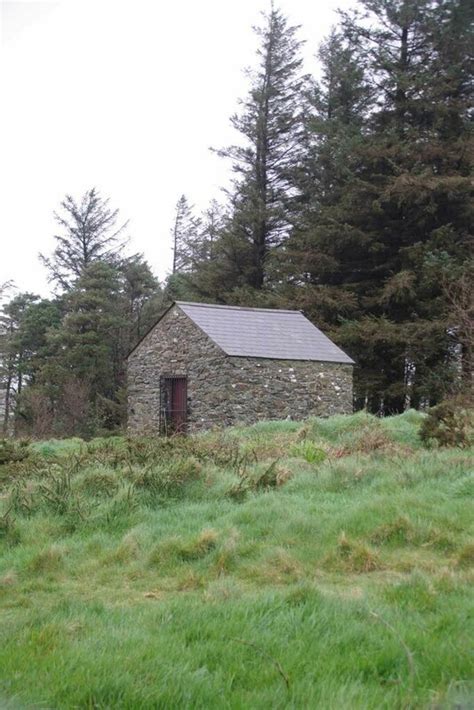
(8, 395)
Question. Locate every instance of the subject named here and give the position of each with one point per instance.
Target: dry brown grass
(51, 559)
(372, 441)
(353, 556)
(278, 567)
(400, 530)
(9, 578)
(190, 580)
(228, 553)
(466, 556)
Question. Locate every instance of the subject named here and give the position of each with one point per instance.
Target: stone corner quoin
(223, 390)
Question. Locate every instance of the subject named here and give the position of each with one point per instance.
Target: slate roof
(263, 332)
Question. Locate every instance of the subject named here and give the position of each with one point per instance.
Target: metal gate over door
(173, 404)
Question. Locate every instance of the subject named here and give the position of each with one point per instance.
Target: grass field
(324, 564)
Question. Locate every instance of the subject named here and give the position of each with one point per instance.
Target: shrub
(8, 530)
(51, 491)
(260, 477)
(99, 481)
(238, 492)
(169, 480)
(120, 507)
(22, 498)
(13, 451)
(308, 451)
(269, 477)
(56, 491)
(448, 424)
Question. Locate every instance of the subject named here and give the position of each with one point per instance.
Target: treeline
(63, 359)
(351, 199)
(352, 196)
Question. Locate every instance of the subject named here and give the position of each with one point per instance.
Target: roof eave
(349, 360)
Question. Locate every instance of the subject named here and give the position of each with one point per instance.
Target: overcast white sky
(127, 96)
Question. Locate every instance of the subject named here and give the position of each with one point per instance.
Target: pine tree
(185, 234)
(88, 349)
(91, 328)
(211, 225)
(334, 133)
(140, 286)
(407, 204)
(205, 278)
(62, 360)
(270, 122)
(14, 357)
(89, 234)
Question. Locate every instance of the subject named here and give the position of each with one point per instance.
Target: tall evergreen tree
(270, 123)
(204, 277)
(334, 133)
(376, 230)
(211, 224)
(89, 346)
(416, 187)
(140, 286)
(14, 357)
(89, 233)
(185, 236)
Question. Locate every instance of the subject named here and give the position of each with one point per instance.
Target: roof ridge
(237, 308)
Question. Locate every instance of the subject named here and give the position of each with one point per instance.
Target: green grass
(321, 564)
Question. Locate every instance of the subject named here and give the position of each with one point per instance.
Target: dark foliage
(11, 450)
(450, 423)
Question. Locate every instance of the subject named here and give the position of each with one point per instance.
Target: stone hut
(203, 365)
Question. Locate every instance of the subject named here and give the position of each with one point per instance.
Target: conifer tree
(211, 225)
(206, 277)
(185, 235)
(334, 132)
(89, 233)
(270, 124)
(14, 356)
(88, 347)
(139, 287)
(407, 204)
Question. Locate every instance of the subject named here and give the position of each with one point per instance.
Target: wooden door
(173, 405)
(179, 404)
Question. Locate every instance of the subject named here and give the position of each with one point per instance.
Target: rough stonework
(223, 390)
(178, 347)
(277, 389)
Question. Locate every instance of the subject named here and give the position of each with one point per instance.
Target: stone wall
(176, 346)
(277, 389)
(225, 390)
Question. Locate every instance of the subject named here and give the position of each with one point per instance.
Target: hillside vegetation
(323, 564)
